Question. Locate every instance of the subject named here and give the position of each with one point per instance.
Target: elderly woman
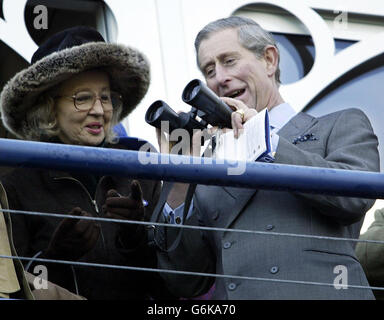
(76, 90)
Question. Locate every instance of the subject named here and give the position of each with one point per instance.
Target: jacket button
(178, 220)
(227, 245)
(274, 270)
(232, 286)
(270, 227)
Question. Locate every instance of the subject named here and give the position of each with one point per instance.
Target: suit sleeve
(351, 145)
(183, 258)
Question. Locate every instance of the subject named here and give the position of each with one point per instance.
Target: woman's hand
(73, 237)
(129, 207)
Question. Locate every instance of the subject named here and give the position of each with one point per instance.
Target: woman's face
(83, 127)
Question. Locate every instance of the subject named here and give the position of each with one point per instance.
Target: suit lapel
(297, 126)
(242, 196)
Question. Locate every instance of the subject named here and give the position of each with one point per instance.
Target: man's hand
(240, 115)
(193, 147)
(73, 237)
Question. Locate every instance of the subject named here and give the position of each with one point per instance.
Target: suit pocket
(330, 253)
(330, 265)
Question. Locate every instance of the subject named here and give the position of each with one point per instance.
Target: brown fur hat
(65, 54)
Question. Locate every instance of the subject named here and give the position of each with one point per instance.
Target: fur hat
(65, 54)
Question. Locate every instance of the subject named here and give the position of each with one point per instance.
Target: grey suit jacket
(344, 140)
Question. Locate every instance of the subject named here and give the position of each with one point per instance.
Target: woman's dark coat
(58, 192)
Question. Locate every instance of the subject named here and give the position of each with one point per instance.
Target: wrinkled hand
(236, 118)
(73, 237)
(129, 208)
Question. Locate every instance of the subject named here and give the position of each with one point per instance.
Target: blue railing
(156, 166)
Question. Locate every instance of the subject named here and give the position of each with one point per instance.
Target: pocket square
(304, 138)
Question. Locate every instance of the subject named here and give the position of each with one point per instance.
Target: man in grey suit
(240, 62)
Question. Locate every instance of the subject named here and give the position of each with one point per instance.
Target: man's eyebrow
(220, 58)
(206, 64)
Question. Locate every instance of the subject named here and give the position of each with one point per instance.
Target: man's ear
(271, 57)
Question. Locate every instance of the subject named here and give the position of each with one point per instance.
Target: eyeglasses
(85, 100)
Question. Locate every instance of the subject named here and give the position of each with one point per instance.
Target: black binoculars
(207, 108)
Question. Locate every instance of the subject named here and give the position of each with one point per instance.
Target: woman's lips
(94, 128)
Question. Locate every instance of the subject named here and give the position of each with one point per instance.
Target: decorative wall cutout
(328, 65)
(13, 30)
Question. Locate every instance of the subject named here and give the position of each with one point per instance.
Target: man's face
(233, 71)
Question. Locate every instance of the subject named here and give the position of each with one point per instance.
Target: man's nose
(222, 76)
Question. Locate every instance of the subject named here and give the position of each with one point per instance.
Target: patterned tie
(172, 217)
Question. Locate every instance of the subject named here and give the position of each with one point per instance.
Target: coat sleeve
(28, 246)
(137, 252)
(351, 145)
(20, 230)
(371, 255)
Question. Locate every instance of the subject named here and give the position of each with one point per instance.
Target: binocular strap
(167, 187)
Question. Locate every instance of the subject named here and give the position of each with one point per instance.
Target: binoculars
(206, 109)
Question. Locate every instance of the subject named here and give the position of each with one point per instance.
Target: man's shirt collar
(280, 115)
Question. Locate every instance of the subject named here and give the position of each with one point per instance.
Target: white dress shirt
(278, 118)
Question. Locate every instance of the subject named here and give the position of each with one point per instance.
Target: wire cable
(203, 274)
(132, 268)
(100, 219)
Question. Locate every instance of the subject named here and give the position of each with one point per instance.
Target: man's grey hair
(251, 36)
